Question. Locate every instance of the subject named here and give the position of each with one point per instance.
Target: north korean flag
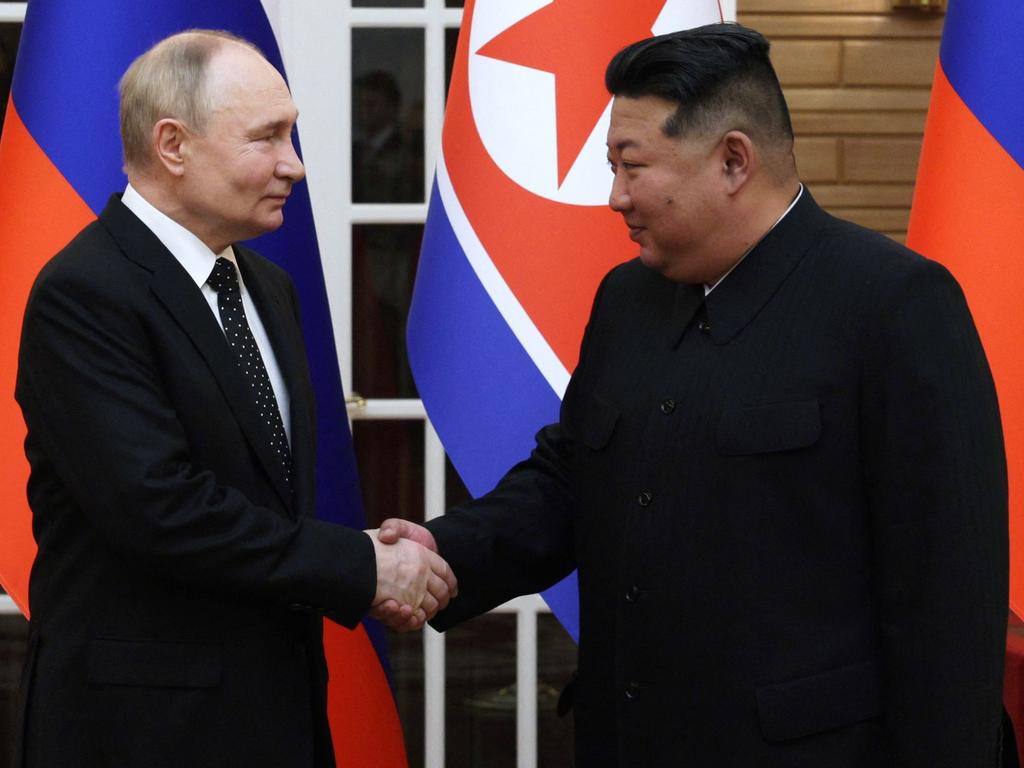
(519, 233)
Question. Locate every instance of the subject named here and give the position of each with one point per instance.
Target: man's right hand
(413, 583)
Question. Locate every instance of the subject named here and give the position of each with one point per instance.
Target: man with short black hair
(779, 465)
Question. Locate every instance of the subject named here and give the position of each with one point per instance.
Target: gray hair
(168, 81)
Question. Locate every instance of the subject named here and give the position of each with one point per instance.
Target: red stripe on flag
(968, 214)
(41, 213)
(361, 710)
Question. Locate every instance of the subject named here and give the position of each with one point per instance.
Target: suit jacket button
(645, 499)
(633, 594)
(704, 326)
(667, 406)
(632, 690)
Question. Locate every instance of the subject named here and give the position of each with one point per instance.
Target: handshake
(413, 581)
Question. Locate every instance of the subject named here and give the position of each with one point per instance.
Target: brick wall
(857, 76)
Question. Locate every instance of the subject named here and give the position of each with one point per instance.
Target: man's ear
(739, 158)
(169, 140)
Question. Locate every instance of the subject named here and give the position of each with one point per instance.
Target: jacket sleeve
(935, 475)
(99, 415)
(520, 537)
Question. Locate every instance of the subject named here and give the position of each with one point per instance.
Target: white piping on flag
(528, 335)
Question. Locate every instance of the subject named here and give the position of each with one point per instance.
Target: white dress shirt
(197, 259)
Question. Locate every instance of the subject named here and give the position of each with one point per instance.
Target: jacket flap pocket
(769, 428)
(154, 664)
(597, 422)
(819, 703)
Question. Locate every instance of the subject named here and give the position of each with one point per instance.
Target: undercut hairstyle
(720, 78)
(169, 81)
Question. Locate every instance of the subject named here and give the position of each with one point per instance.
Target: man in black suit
(181, 577)
(778, 468)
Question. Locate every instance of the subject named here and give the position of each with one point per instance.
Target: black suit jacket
(787, 504)
(177, 592)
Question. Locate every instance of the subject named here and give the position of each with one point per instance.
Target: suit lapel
(173, 287)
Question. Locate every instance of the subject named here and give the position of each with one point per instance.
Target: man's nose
(618, 199)
(290, 166)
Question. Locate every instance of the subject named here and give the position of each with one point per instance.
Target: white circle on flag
(514, 106)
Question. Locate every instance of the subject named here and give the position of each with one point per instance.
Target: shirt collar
(191, 252)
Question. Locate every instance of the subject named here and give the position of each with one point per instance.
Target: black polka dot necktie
(224, 280)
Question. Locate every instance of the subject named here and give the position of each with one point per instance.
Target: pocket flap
(769, 428)
(819, 703)
(154, 664)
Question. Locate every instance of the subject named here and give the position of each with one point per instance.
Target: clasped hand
(413, 581)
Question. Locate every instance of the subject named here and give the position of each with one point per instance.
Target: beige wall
(857, 76)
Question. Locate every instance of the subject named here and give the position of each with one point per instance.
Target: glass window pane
(387, 115)
(451, 41)
(390, 459)
(556, 662)
(480, 708)
(405, 653)
(480, 715)
(384, 259)
(9, 34)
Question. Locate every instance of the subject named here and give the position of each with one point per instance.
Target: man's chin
(653, 260)
(670, 269)
(270, 222)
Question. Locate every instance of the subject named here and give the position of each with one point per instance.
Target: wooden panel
(898, 123)
(776, 27)
(848, 99)
(817, 159)
(880, 159)
(807, 62)
(879, 219)
(889, 62)
(863, 195)
(858, 136)
(812, 6)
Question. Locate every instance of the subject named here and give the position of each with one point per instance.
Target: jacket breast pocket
(154, 664)
(769, 428)
(596, 423)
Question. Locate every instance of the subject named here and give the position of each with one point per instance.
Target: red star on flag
(575, 40)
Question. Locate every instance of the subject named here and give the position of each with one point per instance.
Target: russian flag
(519, 233)
(968, 209)
(60, 158)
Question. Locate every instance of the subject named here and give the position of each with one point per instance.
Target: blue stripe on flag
(981, 57)
(478, 383)
(482, 391)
